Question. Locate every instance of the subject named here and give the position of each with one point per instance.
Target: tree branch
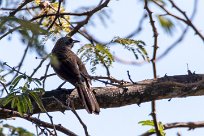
(19, 8)
(89, 14)
(153, 60)
(190, 125)
(145, 91)
(38, 122)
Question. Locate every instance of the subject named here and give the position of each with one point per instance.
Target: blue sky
(124, 120)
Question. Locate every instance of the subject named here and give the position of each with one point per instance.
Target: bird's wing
(68, 64)
(83, 71)
(82, 67)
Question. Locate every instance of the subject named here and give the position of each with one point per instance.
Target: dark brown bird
(69, 67)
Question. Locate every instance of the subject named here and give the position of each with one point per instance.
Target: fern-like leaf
(135, 46)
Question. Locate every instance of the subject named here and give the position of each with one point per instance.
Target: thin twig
(21, 62)
(112, 79)
(4, 87)
(20, 7)
(188, 21)
(182, 36)
(40, 64)
(45, 75)
(38, 122)
(34, 7)
(190, 125)
(80, 120)
(10, 31)
(56, 15)
(90, 13)
(153, 60)
(129, 76)
(136, 63)
(9, 72)
(139, 28)
(25, 53)
(13, 69)
(60, 14)
(51, 120)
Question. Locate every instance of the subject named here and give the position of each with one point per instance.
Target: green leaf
(14, 102)
(15, 82)
(37, 99)
(151, 123)
(2, 78)
(40, 90)
(152, 130)
(96, 54)
(146, 123)
(161, 128)
(104, 53)
(135, 46)
(166, 24)
(20, 106)
(37, 82)
(35, 28)
(25, 87)
(17, 131)
(7, 99)
(29, 103)
(24, 103)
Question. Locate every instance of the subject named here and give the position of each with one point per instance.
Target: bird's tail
(88, 98)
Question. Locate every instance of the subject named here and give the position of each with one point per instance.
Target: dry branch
(144, 91)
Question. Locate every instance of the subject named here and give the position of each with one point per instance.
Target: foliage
(24, 24)
(44, 17)
(96, 54)
(17, 131)
(20, 96)
(166, 24)
(100, 54)
(32, 29)
(151, 123)
(62, 23)
(135, 46)
(1, 77)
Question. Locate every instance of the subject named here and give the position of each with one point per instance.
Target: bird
(69, 67)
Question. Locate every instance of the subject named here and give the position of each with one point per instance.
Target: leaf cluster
(37, 28)
(134, 46)
(100, 54)
(61, 24)
(20, 96)
(28, 31)
(166, 24)
(151, 123)
(96, 54)
(17, 131)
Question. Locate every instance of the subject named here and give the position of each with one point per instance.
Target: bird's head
(66, 41)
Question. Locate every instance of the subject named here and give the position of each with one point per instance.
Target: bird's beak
(75, 41)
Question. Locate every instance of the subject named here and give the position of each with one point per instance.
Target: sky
(124, 120)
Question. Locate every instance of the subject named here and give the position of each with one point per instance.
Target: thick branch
(145, 91)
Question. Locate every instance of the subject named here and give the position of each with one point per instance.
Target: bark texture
(166, 87)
